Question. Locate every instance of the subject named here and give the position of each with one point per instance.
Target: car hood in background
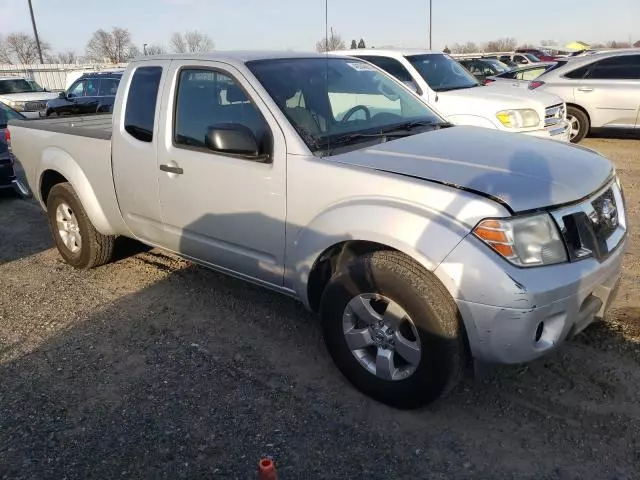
(27, 97)
(525, 173)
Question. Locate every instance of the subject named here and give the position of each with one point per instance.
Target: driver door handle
(171, 169)
(585, 89)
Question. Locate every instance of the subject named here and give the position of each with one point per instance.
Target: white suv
(451, 90)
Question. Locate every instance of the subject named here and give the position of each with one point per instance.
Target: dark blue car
(91, 93)
(7, 173)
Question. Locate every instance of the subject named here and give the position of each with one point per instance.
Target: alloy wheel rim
(68, 228)
(381, 336)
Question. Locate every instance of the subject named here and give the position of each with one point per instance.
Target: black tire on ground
(96, 249)
(426, 301)
(583, 120)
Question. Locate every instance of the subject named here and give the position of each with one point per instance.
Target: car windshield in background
(337, 102)
(532, 57)
(11, 113)
(15, 86)
(497, 65)
(442, 73)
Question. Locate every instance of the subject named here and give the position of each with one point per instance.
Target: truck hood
(524, 173)
(487, 101)
(28, 96)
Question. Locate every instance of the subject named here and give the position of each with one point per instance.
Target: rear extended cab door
(134, 148)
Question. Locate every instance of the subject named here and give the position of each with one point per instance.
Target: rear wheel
(78, 242)
(392, 329)
(579, 123)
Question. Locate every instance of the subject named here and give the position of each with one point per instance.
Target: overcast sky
(298, 24)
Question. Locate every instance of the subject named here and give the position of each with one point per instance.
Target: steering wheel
(352, 110)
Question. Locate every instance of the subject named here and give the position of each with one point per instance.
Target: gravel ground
(152, 368)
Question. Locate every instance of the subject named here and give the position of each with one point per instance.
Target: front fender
(424, 235)
(58, 160)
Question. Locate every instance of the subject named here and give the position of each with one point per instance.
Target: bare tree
(155, 49)
(547, 43)
(614, 44)
(66, 57)
(22, 48)
(4, 51)
(469, 47)
(501, 45)
(114, 46)
(637, 44)
(328, 44)
(191, 42)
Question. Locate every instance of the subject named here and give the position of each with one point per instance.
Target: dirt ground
(152, 368)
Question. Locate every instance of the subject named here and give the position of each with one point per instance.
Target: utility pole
(430, 24)
(35, 32)
(144, 49)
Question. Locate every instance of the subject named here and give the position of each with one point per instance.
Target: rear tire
(78, 242)
(430, 322)
(579, 122)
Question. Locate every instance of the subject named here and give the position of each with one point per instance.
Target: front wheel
(393, 330)
(579, 123)
(78, 242)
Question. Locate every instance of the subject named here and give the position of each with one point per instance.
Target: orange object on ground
(266, 470)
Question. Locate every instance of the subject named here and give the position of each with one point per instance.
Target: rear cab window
(140, 109)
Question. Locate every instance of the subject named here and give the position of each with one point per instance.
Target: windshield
(532, 57)
(35, 86)
(442, 73)
(340, 100)
(18, 85)
(11, 114)
(497, 65)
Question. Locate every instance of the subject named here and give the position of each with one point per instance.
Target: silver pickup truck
(422, 245)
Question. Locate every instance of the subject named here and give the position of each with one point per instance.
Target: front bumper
(560, 131)
(524, 313)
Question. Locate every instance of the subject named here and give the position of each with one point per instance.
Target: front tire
(579, 123)
(78, 242)
(393, 330)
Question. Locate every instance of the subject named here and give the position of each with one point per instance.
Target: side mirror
(62, 95)
(232, 138)
(411, 86)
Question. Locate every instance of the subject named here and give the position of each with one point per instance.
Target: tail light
(7, 139)
(535, 84)
(487, 81)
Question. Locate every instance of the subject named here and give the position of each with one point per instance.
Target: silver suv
(601, 90)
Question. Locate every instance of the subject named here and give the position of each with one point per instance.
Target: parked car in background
(481, 68)
(8, 179)
(431, 246)
(520, 58)
(540, 54)
(601, 90)
(450, 89)
(91, 93)
(522, 75)
(21, 95)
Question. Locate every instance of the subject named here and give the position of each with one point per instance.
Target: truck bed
(93, 126)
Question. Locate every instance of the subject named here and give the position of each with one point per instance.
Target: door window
(624, 67)
(108, 87)
(91, 87)
(140, 111)
(206, 98)
(77, 90)
(391, 66)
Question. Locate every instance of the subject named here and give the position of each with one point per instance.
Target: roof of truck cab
(11, 78)
(237, 57)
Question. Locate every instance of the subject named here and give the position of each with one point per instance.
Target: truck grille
(35, 106)
(554, 114)
(594, 227)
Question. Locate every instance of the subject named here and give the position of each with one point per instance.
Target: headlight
(524, 241)
(519, 118)
(17, 106)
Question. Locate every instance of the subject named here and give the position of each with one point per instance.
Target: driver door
(225, 210)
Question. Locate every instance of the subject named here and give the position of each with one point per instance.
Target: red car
(541, 54)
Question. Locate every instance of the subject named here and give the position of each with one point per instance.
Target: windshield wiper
(396, 130)
(461, 87)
